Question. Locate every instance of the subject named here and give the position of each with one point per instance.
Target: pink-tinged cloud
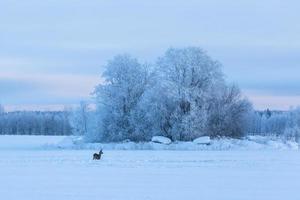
(262, 102)
(64, 85)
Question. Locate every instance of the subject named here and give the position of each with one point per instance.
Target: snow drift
(202, 140)
(75, 142)
(161, 140)
(249, 143)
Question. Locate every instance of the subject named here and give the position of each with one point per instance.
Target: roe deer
(98, 156)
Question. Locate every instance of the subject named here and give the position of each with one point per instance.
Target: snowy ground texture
(29, 171)
(248, 143)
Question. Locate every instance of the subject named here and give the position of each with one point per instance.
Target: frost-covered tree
(65, 124)
(293, 125)
(228, 113)
(125, 81)
(254, 123)
(79, 119)
(153, 112)
(85, 122)
(187, 77)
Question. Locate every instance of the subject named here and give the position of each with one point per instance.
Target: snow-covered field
(28, 172)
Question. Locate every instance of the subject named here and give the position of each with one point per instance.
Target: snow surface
(40, 174)
(23, 142)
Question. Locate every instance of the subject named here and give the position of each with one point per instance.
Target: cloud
(46, 88)
(262, 102)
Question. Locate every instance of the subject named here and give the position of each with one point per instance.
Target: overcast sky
(51, 51)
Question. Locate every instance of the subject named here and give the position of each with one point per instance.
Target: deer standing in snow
(98, 156)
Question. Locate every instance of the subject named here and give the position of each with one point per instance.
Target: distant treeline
(284, 124)
(35, 123)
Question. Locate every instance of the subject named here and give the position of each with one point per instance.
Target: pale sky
(52, 51)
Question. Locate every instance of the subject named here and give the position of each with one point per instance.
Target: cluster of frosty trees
(285, 124)
(183, 95)
(34, 123)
